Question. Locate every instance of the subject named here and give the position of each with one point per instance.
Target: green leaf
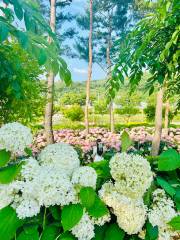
(28, 151)
(126, 142)
(113, 232)
(4, 30)
(18, 10)
(56, 212)
(71, 215)
(169, 160)
(98, 209)
(151, 232)
(29, 232)
(100, 232)
(87, 196)
(9, 223)
(175, 223)
(22, 38)
(166, 186)
(177, 199)
(8, 174)
(42, 57)
(4, 157)
(50, 233)
(67, 236)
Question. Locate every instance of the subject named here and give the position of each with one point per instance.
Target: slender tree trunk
(89, 69)
(158, 124)
(166, 118)
(109, 75)
(50, 83)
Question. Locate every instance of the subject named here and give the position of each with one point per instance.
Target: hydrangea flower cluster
(15, 137)
(161, 212)
(60, 155)
(131, 213)
(132, 174)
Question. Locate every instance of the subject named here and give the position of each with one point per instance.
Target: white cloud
(80, 70)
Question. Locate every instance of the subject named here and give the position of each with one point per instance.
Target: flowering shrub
(53, 197)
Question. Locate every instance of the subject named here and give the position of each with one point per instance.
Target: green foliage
(150, 113)
(71, 98)
(21, 90)
(128, 110)
(126, 142)
(175, 223)
(74, 113)
(169, 160)
(50, 233)
(153, 45)
(34, 39)
(113, 232)
(98, 209)
(9, 223)
(166, 186)
(71, 215)
(29, 232)
(151, 232)
(101, 107)
(87, 196)
(9, 173)
(4, 157)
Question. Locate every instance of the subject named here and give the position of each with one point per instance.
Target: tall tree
(152, 45)
(89, 67)
(50, 83)
(110, 19)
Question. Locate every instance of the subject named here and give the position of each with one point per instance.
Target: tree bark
(50, 83)
(158, 124)
(166, 118)
(109, 75)
(89, 68)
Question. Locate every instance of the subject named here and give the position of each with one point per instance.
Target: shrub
(128, 110)
(74, 113)
(150, 110)
(118, 197)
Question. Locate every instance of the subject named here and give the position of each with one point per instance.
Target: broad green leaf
(50, 233)
(166, 186)
(67, 236)
(71, 215)
(177, 199)
(126, 142)
(148, 195)
(56, 212)
(100, 232)
(175, 223)
(169, 160)
(4, 30)
(151, 232)
(113, 232)
(9, 223)
(4, 157)
(98, 209)
(22, 38)
(87, 196)
(9, 173)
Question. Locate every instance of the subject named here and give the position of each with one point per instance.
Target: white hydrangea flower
(85, 176)
(162, 210)
(15, 137)
(30, 169)
(132, 174)
(61, 155)
(102, 220)
(55, 187)
(84, 230)
(6, 196)
(131, 213)
(27, 208)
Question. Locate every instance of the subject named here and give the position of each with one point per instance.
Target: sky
(79, 68)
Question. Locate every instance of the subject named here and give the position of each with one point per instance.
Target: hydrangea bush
(55, 197)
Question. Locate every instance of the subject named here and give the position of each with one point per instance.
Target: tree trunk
(166, 119)
(50, 83)
(89, 69)
(158, 124)
(108, 59)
